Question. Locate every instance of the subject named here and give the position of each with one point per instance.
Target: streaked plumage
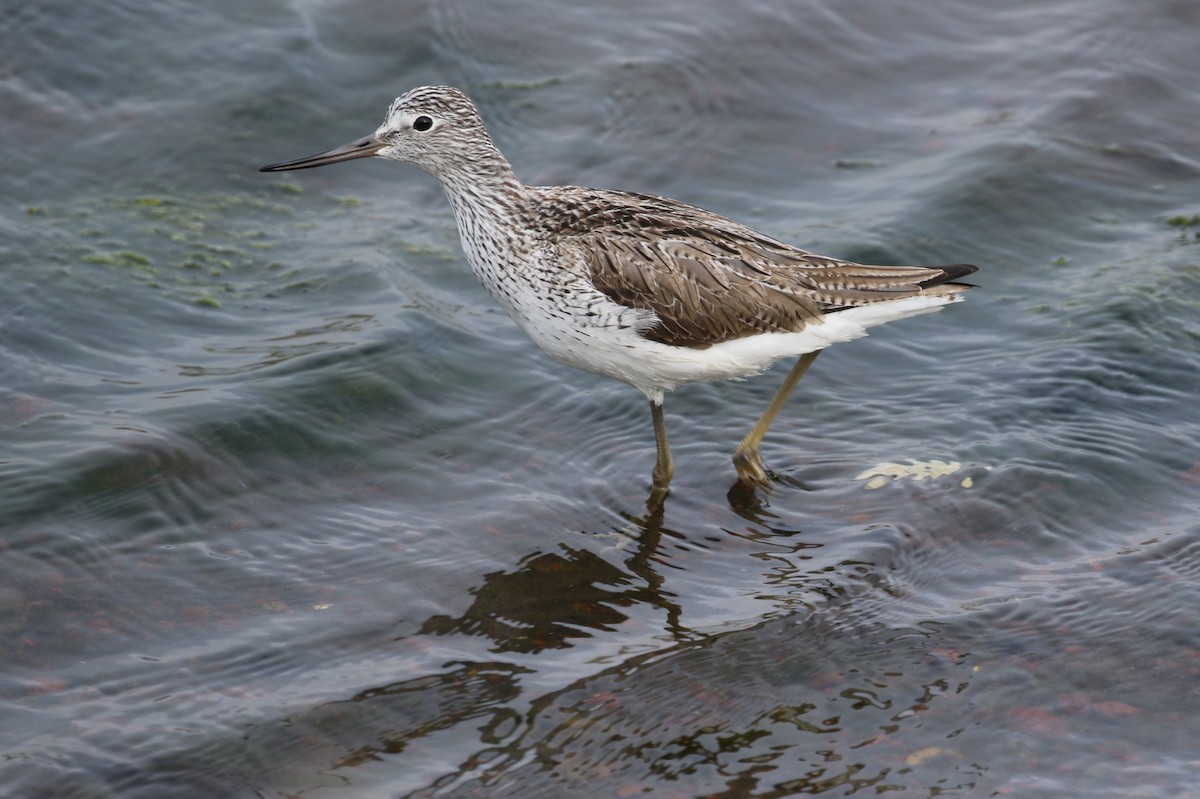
(640, 288)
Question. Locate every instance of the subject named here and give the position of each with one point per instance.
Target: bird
(644, 289)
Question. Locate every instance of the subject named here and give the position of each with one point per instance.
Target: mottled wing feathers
(708, 279)
(698, 297)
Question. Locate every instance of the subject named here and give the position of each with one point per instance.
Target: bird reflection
(552, 598)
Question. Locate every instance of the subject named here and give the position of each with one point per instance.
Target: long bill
(362, 148)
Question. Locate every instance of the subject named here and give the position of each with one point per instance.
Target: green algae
(188, 248)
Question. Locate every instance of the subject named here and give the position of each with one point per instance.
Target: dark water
(290, 509)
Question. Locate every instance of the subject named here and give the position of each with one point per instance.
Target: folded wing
(708, 280)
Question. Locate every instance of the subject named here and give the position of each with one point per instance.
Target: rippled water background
(290, 509)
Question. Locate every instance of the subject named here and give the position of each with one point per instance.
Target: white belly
(621, 353)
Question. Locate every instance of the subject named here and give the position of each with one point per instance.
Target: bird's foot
(658, 497)
(660, 484)
(751, 470)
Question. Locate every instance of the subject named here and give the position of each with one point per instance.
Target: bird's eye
(422, 123)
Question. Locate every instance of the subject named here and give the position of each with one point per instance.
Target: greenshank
(643, 289)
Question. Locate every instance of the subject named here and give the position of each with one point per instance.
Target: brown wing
(708, 279)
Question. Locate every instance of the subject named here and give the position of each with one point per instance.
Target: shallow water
(290, 508)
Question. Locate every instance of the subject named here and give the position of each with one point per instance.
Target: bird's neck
(489, 206)
(483, 189)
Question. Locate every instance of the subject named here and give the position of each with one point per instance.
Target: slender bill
(362, 148)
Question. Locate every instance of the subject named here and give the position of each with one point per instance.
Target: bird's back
(707, 279)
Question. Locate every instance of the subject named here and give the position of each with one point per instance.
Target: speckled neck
(480, 183)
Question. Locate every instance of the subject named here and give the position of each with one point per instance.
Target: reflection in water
(790, 707)
(826, 700)
(384, 720)
(554, 597)
(549, 600)
(797, 705)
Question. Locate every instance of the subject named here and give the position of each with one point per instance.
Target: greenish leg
(746, 458)
(664, 467)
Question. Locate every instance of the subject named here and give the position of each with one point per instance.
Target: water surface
(290, 508)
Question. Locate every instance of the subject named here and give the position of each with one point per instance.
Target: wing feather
(708, 279)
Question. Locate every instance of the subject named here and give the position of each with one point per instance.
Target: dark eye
(422, 123)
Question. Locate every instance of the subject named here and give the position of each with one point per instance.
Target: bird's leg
(746, 458)
(664, 467)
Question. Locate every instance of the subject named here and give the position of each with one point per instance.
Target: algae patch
(196, 250)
